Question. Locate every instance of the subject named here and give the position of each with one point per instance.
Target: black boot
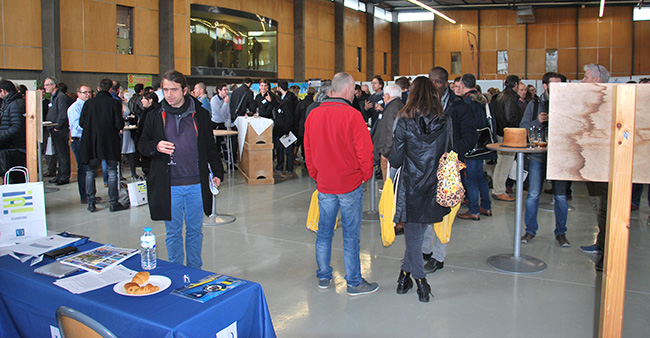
(424, 290)
(404, 282)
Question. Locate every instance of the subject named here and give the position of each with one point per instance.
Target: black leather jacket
(507, 111)
(12, 122)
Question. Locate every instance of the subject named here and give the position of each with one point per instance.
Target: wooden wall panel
(23, 58)
(588, 34)
(319, 41)
(566, 62)
(147, 64)
(622, 33)
(552, 32)
(536, 63)
(125, 63)
(145, 39)
(72, 60)
(567, 36)
(100, 62)
(72, 33)
(621, 61)
(536, 36)
(22, 23)
(100, 37)
(150, 4)
(605, 33)
(427, 36)
(129, 3)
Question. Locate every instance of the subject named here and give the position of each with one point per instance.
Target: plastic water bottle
(148, 250)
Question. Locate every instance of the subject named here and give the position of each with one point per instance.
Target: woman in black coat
(421, 137)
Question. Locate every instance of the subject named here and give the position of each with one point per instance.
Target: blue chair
(74, 324)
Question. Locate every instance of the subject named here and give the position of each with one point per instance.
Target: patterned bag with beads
(450, 190)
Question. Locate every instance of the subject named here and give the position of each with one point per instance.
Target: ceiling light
(435, 11)
(602, 8)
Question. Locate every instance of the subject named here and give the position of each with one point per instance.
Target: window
(502, 62)
(385, 63)
(415, 16)
(358, 59)
(224, 39)
(124, 37)
(355, 4)
(641, 14)
(551, 60)
(455, 63)
(383, 14)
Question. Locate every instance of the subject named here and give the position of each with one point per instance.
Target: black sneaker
(433, 265)
(323, 283)
(363, 288)
(527, 238)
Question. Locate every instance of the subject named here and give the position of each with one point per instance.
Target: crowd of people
(346, 135)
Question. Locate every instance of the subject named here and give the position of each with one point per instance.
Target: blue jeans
(477, 185)
(351, 204)
(81, 168)
(536, 175)
(561, 206)
(187, 204)
(111, 170)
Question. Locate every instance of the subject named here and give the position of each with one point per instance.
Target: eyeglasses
(48, 84)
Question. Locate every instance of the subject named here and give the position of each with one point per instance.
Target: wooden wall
(607, 41)
(355, 37)
(382, 45)
(319, 39)
(88, 40)
(20, 35)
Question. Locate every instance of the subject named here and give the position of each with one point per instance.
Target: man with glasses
(57, 113)
(74, 112)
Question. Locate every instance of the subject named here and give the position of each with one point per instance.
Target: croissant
(149, 288)
(131, 287)
(141, 277)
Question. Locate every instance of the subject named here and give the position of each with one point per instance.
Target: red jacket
(338, 148)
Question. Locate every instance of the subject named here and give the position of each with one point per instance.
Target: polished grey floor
(269, 244)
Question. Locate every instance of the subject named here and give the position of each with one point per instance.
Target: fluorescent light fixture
(602, 8)
(435, 11)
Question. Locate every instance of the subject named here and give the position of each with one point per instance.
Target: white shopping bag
(49, 148)
(137, 193)
(22, 212)
(513, 172)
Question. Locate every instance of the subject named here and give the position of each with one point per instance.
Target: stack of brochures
(99, 259)
(208, 287)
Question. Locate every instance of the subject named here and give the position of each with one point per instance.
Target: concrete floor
(269, 244)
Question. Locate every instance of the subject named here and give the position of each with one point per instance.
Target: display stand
(256, 158)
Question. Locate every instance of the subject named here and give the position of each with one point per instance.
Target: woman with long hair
(422, 135)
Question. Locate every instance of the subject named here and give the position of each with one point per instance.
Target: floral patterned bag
(450, 190)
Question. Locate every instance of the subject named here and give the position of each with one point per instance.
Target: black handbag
(485, 137)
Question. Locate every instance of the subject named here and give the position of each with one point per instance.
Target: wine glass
(171, 158)
(533, 136)
(543, 137)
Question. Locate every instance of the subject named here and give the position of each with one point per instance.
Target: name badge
(49, 104)
(264, 101)
(380, 102)
(279, 111)
(380, 116)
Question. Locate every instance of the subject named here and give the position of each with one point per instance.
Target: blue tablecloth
(28, 302)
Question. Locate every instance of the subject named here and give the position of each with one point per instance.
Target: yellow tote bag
(314, 214)
(387, 213)
(443, 228)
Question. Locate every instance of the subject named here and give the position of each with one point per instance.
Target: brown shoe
(527, 238)
(504, 197)
(561, 239)
(468, 215)
(485, 212)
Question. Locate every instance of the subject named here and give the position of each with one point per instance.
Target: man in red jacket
(339, 157)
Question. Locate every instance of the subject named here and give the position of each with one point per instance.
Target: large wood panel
(22, 23)
(72, 33)
(580, 117)
(99, 29)
(23, 58)
(147, 64)
(72, 60)
(145, 39)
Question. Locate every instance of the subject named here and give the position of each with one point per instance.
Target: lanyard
(164, 117)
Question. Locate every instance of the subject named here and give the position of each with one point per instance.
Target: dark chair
(74, 324)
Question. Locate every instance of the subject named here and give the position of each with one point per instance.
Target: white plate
(160, 281)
